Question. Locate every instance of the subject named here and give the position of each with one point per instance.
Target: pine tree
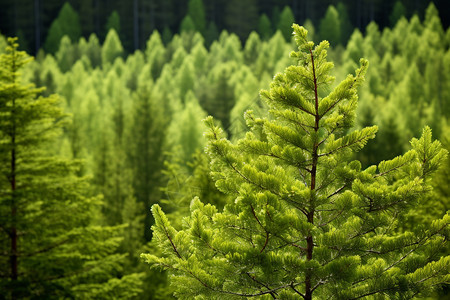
(212, 33)
(286, 20)
(252, 44)
(344, 20)
(196, 10)
(145, 148)
(264, 27)
(219, 99)
(154, 54)
(50, 245)
(112, 48)
(67, 23)
(187, 25)
(306, 221)
(93, 51)
(330, 26)
(113, 22)
(398, 11)
(185, 133)
(308, 25)
(67, 54)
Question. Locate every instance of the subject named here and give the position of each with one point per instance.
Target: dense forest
(134, 21)
(107, 127)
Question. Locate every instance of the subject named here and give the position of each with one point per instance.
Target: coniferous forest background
(119, 127)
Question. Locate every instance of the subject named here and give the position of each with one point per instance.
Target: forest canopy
(106, 123)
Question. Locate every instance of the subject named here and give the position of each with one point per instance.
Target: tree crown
(306, 220)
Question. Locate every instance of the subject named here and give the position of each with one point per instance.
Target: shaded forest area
(31, 20)
(125, 127)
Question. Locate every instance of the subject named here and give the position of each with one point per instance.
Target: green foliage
(196, 11)
(67, 54)
(308, 25)
(145, 148)
(398, 11)
(306, 220)
(112, 48)
(220, 99)
(264, 27)
(92, 50)
(113, 22)
(212, 33)
(67, 23)
(154, 53)
(186, 132)
(43, 197)
(187, 25)
(330, 26)
(286, 20)
(186, 181)
(131, 155)
(252, 45)
(344, 20)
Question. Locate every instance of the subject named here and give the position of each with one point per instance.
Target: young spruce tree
(306, 222)
(49, 247)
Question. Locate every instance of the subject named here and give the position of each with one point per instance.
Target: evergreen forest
(225, 150)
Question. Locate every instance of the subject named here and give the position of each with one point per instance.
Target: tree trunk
(310, 216)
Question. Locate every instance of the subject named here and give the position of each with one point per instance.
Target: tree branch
(265, 230)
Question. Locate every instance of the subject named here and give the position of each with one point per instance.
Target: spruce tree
(67, 23)
(307, 222)
(112, 48)
(145, 148)
(330, 26)
(252, 44)
(264, 27)
(196, 10)
(344, 20)
(187, 25)
(286, 20)
(50, 246)
(154, 54)
(113, 22)
(398, 11)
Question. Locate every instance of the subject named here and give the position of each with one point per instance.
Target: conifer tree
(50, 246)
(112, 48)
(306, 221)
(330, 26)
(113, 22)
(264, 27)
(145, 148)
(398, 11)
(196, 10)
(187, 25)
(199, 53)
(219, 100)
(308, 25)
(92, 50)
(154, 54)
(252, 44)
(67, 23)
(67, 54)
(212, 33)
(185, 133)
(344, 20)
(286, 20)
(186, 77)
